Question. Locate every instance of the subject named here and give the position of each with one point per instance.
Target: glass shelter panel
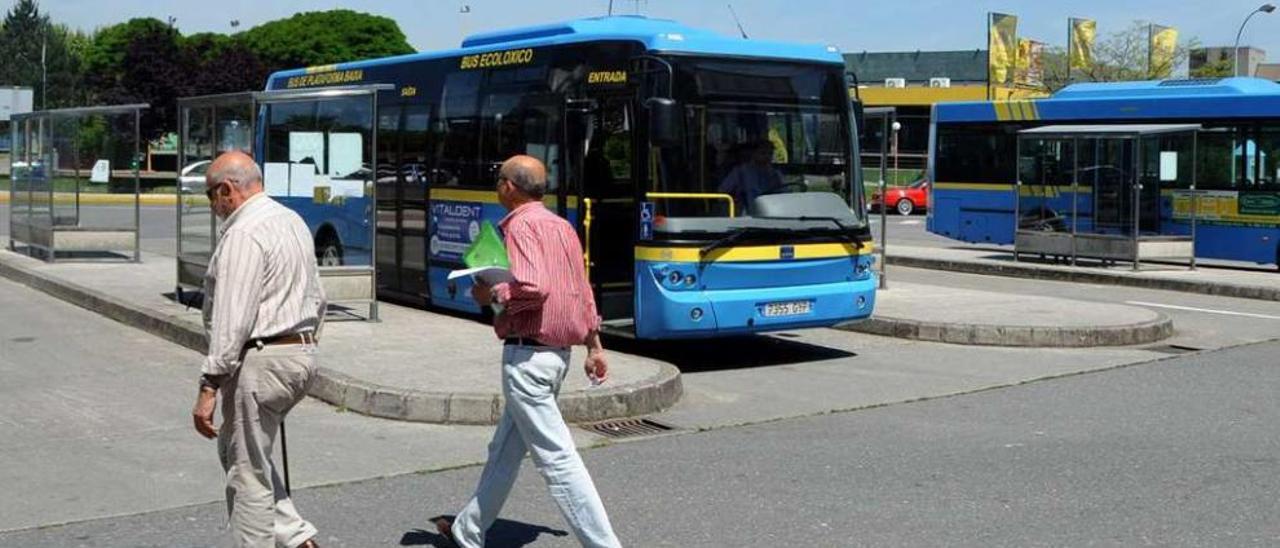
(63, 162)
(1045, 192)
(318, 161)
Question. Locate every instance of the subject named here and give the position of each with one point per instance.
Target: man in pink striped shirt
(547, 310)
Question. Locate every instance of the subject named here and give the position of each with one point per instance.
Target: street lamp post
(1235, 50)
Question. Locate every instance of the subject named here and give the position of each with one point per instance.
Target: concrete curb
(107, 199)
(1022, 336)
(1017, 270)
(644, 397)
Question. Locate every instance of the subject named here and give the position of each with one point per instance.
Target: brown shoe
(445, 527)
(310, 543)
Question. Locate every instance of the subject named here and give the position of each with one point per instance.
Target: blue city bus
(714, 181)
(974, 164)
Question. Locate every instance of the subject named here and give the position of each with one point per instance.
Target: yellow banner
(1164, 42)
(1030, 63)
(1002, 51)
(1082, 33)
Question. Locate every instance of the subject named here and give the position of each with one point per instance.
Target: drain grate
(1173, 349)
(628, 428)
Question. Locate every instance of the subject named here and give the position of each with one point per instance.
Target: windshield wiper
(845, 230)
(726, 241)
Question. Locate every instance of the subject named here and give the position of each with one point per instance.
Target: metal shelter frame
(342, 284)
(64, 235)
(1132, 247)
(890, 116)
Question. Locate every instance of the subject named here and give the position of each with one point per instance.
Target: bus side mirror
(664, 116)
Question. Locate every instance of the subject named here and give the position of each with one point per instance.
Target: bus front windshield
(757, 128)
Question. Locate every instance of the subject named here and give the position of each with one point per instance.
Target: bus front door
(608, 208)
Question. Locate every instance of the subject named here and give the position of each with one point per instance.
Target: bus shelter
(1095, 191)
(316, 150)
(76, 184)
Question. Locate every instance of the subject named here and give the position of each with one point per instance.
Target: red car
(906, 200)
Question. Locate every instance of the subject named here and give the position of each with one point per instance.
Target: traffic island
(413, 365)
(1239, 283)
(962, 316)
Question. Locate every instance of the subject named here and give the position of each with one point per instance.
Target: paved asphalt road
(1180, 452)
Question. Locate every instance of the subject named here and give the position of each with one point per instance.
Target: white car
(191, 181)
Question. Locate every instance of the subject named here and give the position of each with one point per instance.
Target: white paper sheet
(302, 180)
(1168, 165)
(307, 147)
(490, 275)
(349, 188)
(275, 178)
(346, 153)
(101, 172)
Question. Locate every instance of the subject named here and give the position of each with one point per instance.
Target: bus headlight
(674, 277)
(695, 314)
(690, 280)
(862, 302)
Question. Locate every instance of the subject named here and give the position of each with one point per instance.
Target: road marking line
(910, 222)
(1205, 310)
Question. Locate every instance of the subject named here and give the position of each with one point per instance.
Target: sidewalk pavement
(1226, 282)
(412, 365)
(964, 316)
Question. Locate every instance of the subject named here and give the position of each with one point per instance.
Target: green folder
(487, 249)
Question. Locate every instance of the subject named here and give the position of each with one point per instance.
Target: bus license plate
(789, 308)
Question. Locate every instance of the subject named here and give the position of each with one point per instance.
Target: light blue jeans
(531, 379)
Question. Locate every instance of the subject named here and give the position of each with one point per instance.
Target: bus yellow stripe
(973, 186)
(1002, 111)
(487, 196)
(750, 253)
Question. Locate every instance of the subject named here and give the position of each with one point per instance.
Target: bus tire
(328, 249)
(905, 206)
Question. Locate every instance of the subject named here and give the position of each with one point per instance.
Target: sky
(851, 25)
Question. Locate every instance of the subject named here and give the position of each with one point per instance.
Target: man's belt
(526, 341)
(291, 338)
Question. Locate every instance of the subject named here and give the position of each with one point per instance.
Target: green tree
(29, 40)
(320, 38)
(141, 61)
(224, 64)
(1217, 68)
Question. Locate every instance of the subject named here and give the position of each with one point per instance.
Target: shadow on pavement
(504, 533)
(694, 356)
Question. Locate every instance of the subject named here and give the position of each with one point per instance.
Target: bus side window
(1216, 161)
(459, 160)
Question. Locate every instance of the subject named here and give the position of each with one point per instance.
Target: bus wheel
(329, 252)
(905, 207)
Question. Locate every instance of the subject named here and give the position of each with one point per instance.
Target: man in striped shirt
(263, 306)
(547, 310)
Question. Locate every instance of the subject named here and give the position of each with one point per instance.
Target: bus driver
(753, 178)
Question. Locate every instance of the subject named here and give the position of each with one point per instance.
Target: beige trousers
(255, 400)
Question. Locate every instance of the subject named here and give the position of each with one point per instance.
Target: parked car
(191, 180)
(906, 200)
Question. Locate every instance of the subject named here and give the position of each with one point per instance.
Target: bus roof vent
(1190, 82)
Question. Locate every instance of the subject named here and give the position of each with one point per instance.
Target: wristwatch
(210, 381)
